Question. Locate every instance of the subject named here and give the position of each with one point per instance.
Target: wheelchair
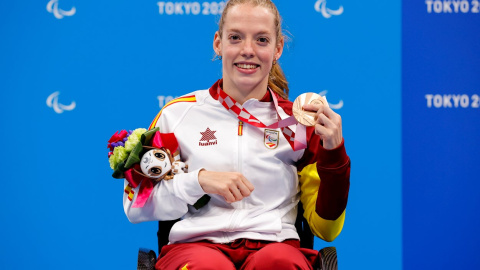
(326, 260)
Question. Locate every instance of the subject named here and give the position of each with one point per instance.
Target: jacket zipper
(240, 128)
(233, 219)
(240, 135)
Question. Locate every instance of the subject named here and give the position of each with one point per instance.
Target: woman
(250, 172)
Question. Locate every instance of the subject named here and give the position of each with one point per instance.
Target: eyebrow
(239, 31)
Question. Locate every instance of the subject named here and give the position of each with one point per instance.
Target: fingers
(232, 186)
(332, 122)
(328, 125)
(320, 109)
(239, 188)
(236, 194)
(229, 197)
(248, 187)
(324, 116)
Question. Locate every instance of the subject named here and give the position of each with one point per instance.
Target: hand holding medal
(311, 109)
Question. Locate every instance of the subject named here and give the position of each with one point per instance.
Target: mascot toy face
(156, 163)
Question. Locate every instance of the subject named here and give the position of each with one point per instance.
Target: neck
(245, 93)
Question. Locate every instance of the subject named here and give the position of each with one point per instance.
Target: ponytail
(277, 81)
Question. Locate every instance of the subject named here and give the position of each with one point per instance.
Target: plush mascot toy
(144, 158)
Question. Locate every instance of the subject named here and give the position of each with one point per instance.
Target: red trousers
(241, 254)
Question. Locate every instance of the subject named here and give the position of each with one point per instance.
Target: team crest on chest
(208, 138)
(271, 138)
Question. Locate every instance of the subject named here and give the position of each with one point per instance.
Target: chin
(250, 82)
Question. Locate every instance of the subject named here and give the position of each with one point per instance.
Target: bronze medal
(306, 118)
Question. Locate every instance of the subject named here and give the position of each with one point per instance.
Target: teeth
(246, 66)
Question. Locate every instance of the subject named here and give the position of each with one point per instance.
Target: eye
(160, 155)
(156, 170)
(263, 40)
(234, 37)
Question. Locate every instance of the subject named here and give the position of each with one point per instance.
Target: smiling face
(248, 45)
(155, 163)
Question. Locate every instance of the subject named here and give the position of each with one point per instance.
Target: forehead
(247, 17)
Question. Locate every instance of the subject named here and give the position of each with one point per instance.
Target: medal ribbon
(297, 141)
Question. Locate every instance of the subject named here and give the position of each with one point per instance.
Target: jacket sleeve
(169, 199)
(324, 177)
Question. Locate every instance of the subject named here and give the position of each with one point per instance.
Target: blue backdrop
(441, 116)
(74, 72)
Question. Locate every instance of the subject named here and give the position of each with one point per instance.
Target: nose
(247, 49)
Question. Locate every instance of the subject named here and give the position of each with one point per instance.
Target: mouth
(246, 66)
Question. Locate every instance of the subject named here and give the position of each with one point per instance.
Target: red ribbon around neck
(297, 140)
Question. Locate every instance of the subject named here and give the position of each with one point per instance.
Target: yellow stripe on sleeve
(191, 98)
(327, 230)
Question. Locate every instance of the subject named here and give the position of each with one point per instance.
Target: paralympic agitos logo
(321, 7)
(59, 13)
(52, 102)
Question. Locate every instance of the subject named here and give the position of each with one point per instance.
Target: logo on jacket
(52, 102)
(59, 13)
(208, 138)
(271, 138)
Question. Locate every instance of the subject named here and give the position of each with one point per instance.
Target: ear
(217, 43)
(170, 157)
(279, 48)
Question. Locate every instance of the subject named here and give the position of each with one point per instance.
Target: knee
(205, 258)
(280, 256)
(194, 257)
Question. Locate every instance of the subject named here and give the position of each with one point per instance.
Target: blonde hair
(276, 79)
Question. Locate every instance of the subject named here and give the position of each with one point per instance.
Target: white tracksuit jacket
(211, 138)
